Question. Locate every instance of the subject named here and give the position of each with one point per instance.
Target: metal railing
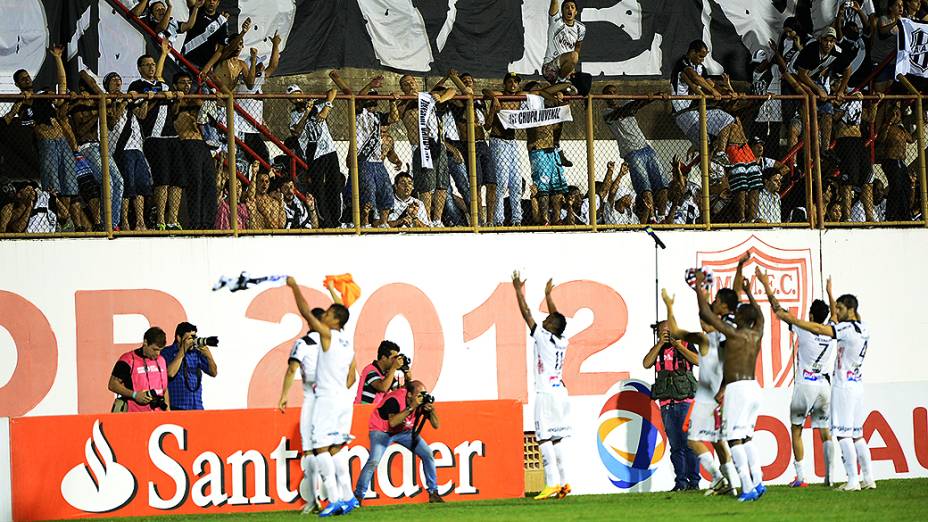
(696, 181)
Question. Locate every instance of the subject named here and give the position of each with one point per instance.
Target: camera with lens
(157, 401)
(406, 360)
(200, 342)
(427, 398)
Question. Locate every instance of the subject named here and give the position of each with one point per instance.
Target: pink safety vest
(367, 369)
(147, 374)
(378, 424)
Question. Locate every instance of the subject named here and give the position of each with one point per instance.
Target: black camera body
(200, 342)
(157, 401)
(406, 362)
(427, 398)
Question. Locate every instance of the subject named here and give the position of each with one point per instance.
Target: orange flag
(345, 286)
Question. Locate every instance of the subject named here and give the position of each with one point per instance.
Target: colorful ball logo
(630, 438)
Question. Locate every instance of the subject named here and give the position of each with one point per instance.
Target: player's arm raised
(759, 321)
(325, 334)
(831, 298)
(552, 308)
(697, 338)
(706, 313)
(518, 285)
(336, 297)
(736, 286)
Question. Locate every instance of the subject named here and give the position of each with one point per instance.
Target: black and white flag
(912, 51)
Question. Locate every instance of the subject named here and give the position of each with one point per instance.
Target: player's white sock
(800, 470)
(559, 453)
(740, 457)
(707, 461)
(309, 474)
(343, 474)
(729, 472)
(829, 446)
(850, 460)
(863, 456)
(326, 467)
(757, 475)
(549, 461)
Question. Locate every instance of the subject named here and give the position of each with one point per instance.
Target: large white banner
(69, 307)
(912, 51)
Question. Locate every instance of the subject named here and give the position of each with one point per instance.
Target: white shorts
(739, 409)
(306, 421)
(552, 414)
(716, 120)
(704, 421)
(811, 399)
(331, 424)
(847, 411)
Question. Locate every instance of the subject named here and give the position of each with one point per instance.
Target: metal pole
(816, 160)
(704, 162)
(590, 160)
(920, 128)
(105, 161)
(353, 165)
(472, 165)
(807, 163)
(232, 164)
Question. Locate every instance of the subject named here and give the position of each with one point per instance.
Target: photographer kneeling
(188, 359)
(395, 421)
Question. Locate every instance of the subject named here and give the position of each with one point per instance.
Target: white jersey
(332, 368)
(306, 352)
(549, 359)
(815, 354)
(710, 368)
(562, 38)
(853, 337)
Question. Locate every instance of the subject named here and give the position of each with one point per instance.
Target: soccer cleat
(548, 492)
(850, 487)
(748, 496)
(719, 487)
(350, 505)
(796, 483)
(435, 498)
(868, 484)
(760, 490)
(565, 490)
(334, 508)
(311, 508)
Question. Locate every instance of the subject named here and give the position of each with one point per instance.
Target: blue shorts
(375, 185)
(135, 173)
(547, 172)
(645, 170)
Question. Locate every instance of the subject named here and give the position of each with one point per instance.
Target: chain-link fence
(534, 158)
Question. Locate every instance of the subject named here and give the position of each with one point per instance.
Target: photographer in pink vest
(140, 376)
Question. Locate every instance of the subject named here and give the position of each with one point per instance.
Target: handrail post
(704, 162)
(590, 161)
(472, 165)
(920, 131)
(816, 159)
(807, 168)
(104, 133)
(232, 164)
(353, 164)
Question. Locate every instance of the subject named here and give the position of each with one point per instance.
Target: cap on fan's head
(294, 88)
(512, 75)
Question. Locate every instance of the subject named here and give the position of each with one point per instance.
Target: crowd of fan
(167, 150)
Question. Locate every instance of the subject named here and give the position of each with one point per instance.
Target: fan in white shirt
(565, 36)
(407, 211)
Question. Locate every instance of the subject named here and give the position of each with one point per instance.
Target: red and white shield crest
(790, 276)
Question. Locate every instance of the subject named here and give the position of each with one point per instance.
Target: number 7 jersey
(550, 351)
(853, 337)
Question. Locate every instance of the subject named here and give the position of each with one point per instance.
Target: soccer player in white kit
(552, 408)
(565, 37)
(815, 359)
(847, 408)
(331, 417)
(304, 356)
(702, 430)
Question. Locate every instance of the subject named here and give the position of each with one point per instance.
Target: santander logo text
(102, 484)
